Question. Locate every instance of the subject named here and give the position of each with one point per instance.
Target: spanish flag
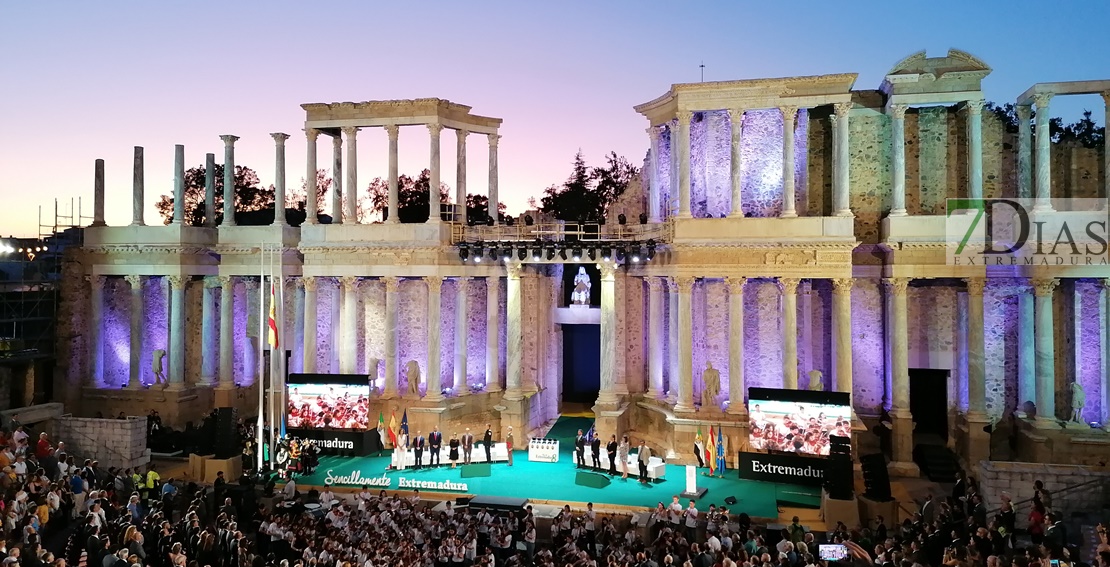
(272, 321)
(711, 452)
(393, 428)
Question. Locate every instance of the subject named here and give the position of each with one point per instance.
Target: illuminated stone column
(178, 185)
(1026, 351)
(461, 386)
(350, 214)
(310, 206)
(337, 179)
(348, 353)
(493, 309)
(279, 178)
(672, 181)
(493, 198)
(176, 374)
(789, 201)
(229, 179)
(842, 206)
(137, 188)
(210, 190)
(976, 350)
(1043, 290)
(392, 130)
(898, 154)
(789, 288)
(684, 118)
(672, 341)
(736, 347)
(392, 285)
(434, 130)
(96, 321)
(685, 344)
(98, 193)
(608, 396)
(1104, 304)
(311, 304)
(654, 181)
(460, 175)
(899, 358)
(1106, 159)
(1044, 157)
(842, 329)
(736, 116)
(655, 336)
(227, 332)
(975, 148)
(209, 355)
(1025, 151)
(514, 341)
(137, 305)
(434, 391)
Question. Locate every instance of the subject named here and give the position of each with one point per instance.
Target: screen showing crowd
(797, 427)
(328, 406)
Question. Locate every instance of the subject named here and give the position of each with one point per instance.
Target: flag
(709, 450)
(720, 452)
(405, 422)
(381, 421)
(590, 435)
(272, 321)
(393, 429)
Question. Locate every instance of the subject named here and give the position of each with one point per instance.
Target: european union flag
(720, 453)
(405, 422)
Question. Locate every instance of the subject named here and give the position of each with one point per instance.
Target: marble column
(655, 336)
(672, 181)
(842, 179)
(672, 341)
(209, 354)
(898, 153)
(392, 286)
(975, 148)
(336, 179)
(176, 372)
(461, 386)
(514, 342)
(98, 193)
(1044, 155)
(976, 350)
(1104, 306)
(1025, 151)
(683, 144)
(1026, 351)
(296, 358)
(654, 190)
(279, 178)
(460, 175)
(229, 179)
(348, 355)
(1043, 290)
(137, 188)
(227, 332)
(96, 321)
(434, 131)
(350, 212)
(434, 391)
(178, 185)
(135, 375)
(1105, 154)
(789, 306)
(736, 347)
(607, 396)
(736, 116)
(493, 311)
(392, 131)
(900, 397)
(210, 190)
(311, 305)
(493, 197)
(842, 331)
(685, 344)
(311, 207)
(789, 173)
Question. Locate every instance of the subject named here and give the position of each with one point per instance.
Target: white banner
(691, 479)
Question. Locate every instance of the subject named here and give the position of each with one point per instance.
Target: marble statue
(412, 374)
(816, 384)
(711, 385)
(1078, 400)
(581, 293)
(156, 366)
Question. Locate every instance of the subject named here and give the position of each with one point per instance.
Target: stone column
(976, 350)
(493, 311)
(460, 176)
(493, 198)
(1046, 352)
(898, 153)
(350, 213)
(210, 190)
(348, 355)
(178, 185)
(789, 200)
(1106, 156)
(137, 185)
(683, 144)
(392, 285)
(1025, 151)
(1104, 305)
(654, 191)
(842, 325)
(311, 305)
(229, 179)
(279, 178)
(736, 116)
(655, 336)
(685, 344)
(1044, 156)
(514, 341)
(461, 386)
(392, 130)
(975, 148)
(789, 305)
(435, 319)
(134, 379)
(176, 372)
(736, 347)
(98, 193)
(434, 131)
(672, 341)
(310, 200)
(900, 398)
(337, 179)
(96, 320)
(209, 354)
(842, 178)
(608, 395)
(227, 332)
(1026, 352)
(672, 182)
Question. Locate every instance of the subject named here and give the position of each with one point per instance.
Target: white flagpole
(282, 402)
(273, 366)
(259, 438)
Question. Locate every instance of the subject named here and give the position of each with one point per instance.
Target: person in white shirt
(589, 518)
(676, 512)
(290, 490)
(691, 515)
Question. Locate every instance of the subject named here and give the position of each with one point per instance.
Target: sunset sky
(91, 80)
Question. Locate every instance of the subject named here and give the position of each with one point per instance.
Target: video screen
(328, 406)
(795, 421)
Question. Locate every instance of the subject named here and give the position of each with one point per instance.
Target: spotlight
(537, 252)
(489, 220)
(592, 253)
(621, 219)
(606, 254)
(507, 253)
(563, 253)
(643, 218)
(651, 249)
(577, 253)
(493, 252)
(620, 254)
(464, 252)
(528, 220)
(635, 253)
(44, 249)
(521, 253)
(551, 252)
(510, 220)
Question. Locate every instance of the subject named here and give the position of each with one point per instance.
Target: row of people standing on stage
(459, 449)
(617, 453)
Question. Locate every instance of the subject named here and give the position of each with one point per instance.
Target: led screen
(797, 425)
(328, 406)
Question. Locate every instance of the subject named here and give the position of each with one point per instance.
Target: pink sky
(90, 81)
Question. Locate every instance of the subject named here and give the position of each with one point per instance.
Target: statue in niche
(711, 386)
(412, 374)
(156, 366)
(581, 294)
(816, 384)
(1078, 401)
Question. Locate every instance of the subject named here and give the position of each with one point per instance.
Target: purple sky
(89, 81)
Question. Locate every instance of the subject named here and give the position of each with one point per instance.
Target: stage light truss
(549, 251)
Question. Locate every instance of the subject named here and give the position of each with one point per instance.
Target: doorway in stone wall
(929, 405)
(581, 363)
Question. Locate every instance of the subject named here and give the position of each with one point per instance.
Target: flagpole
(259, 439)
(274, 365)
(282, 401)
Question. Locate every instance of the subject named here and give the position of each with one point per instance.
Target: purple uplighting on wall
(1088, 351)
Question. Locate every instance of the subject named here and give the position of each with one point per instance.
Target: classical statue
(1078, 400)
(816, 384)
(581, 293)
(711, 385)
(156, 366)
(412, 374)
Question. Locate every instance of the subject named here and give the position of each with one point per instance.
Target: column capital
(97, 282)
(279, 138)
(177, 282)
(735, 284)
(1104, 283)
(842, 108)
(975, 107)
(435, 129)
(392, 284)
(1105, 97)
(685, 284)
(1044, 287)
(513, 270)
(789, 112)
(736, 116)
(789, 285)
(655, 285)
(435, 283)
(898, 111)
(210, 282)
(350, 131)
(462, 280)
(1024, 112)
(897, 286)
(493, 139)
(229, 140)
(684, 117)
(336, 142)
(461, 134)
(843, 285)
(608, 270)
(1042, 99)
(392, 130)
(975, 286)
(310, 283)
(652, 132)
(135, 281)
(251, 284)
(349, 283)
(225, 281)
(311, 134)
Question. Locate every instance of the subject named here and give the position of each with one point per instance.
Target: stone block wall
(117, 443)
(1016, 479)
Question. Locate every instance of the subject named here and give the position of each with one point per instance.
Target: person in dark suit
(611, 449)
(435, 441)
(595, 450)
(467, 445)
(580, 450)
(418, 449)
(487, 440)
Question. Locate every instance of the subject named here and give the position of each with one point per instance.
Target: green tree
(477, 209)
(1083, 132)
(587, 193)
(296, 198)
(412, 197)
(249, 196)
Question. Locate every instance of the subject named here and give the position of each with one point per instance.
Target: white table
(543, 450)
(498, 453)
(656, 468)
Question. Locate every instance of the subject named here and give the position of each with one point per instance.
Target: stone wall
(117, 443)
(1016, 479)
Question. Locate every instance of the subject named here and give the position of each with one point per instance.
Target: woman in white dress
(622, 456)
